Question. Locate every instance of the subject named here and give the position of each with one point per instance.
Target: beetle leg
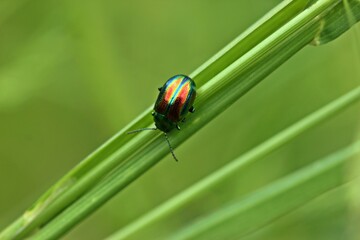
(178, 127)
(192, 109)
(160, 88)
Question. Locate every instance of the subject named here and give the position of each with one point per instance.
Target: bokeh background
(72, 73)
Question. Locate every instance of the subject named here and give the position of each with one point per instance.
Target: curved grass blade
(345, 14)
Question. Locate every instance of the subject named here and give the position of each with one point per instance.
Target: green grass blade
(230, 169)
(272, 201)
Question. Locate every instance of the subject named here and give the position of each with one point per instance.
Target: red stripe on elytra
(179, 101)
(168, 92)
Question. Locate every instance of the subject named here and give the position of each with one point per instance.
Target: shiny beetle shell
(175, 100)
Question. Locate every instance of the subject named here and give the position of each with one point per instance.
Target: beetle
(176, 98)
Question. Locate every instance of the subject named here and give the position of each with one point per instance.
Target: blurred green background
(72, 73)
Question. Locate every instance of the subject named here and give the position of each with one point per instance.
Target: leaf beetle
(176, 98)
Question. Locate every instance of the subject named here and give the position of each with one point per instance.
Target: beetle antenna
(141, 129)
(171, 149)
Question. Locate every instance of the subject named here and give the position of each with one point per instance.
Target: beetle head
(163, 123)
